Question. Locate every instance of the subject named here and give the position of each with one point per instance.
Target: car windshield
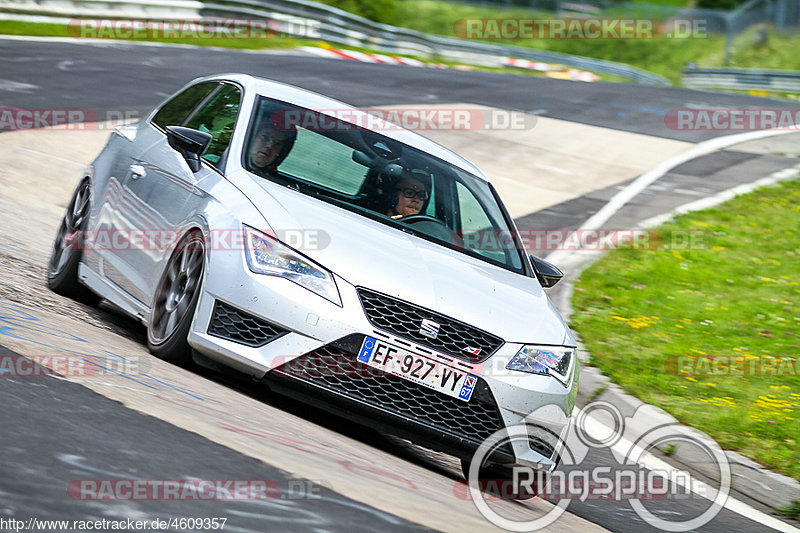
(378, 177)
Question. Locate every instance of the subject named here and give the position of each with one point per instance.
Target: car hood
(369, 254)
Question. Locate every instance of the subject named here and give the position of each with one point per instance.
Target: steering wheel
(434, 227)
(413, 219)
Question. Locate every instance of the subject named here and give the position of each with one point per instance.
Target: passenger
(270, 147)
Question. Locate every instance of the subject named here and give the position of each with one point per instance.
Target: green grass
(9, 27)
(735, 293)
(666, 57)
(13, 27)
(793, 511)
(780, 50)
(674, 3)
(663, 56)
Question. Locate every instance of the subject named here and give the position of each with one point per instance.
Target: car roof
(317, 102)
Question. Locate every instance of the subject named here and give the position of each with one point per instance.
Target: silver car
(339, 258)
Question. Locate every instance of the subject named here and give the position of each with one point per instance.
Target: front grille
(334, 367)
(405, 319)
(236, 325)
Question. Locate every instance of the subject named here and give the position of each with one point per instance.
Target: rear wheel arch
(68, 246)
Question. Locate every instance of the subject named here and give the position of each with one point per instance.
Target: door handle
(137, 171)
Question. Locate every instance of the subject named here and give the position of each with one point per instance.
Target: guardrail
(733, 78)
(331, 24)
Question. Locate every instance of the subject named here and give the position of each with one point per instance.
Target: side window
(174, 112)
(431, 209)
(473, 217)
(217, 117)
(478, 231)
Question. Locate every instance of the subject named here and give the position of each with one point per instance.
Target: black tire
(498, 481)
(175, 301)
(62, 268)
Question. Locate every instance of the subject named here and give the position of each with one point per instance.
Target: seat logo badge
(429, 328)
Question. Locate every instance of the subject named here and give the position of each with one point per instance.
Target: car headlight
(266, 255)
(553, 360)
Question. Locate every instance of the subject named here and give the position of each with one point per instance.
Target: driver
(408, 196)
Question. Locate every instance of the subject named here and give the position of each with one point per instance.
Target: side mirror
(189, 143)
(547, 273)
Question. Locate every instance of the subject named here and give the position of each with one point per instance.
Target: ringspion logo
(631, 441)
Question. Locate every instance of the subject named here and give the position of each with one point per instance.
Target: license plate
(417, 368)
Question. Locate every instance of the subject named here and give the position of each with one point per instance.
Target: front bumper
(305, 346)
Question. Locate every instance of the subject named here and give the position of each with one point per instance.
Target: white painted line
(411, 62)
(336, 53)
(17, 86)
(576, 260)
(317, 51)
(554, 169)
(356, 56)
(623, 446)
(688, 192)
(642, 182)
(66, 64)
(381, 58)
(721, 197)
(79, 40)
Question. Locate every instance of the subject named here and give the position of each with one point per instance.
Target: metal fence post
(728, 38)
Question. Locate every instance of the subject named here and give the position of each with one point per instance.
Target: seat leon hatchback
(341, 259)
